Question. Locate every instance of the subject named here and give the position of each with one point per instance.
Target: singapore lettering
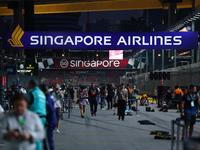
(87, 64)
(105, 40)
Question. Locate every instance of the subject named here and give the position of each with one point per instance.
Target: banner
(99, 40)
(10, 69)
(49, 63)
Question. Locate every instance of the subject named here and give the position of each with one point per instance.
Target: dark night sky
(112, 16)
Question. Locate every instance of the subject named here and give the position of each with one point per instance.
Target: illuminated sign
(116, 54)
(99, 40)
(30, 67)
(24, 71)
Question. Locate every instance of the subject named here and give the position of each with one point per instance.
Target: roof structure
(68, 6)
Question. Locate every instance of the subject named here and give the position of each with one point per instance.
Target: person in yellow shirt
(178, 94)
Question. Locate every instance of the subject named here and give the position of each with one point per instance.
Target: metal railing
(179, 124)
(67, 106)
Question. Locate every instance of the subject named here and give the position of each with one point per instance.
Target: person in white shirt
(22, 128)
(58, 95)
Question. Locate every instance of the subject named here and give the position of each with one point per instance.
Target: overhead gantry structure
(68, 6)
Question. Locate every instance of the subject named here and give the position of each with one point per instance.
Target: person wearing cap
(122, 98)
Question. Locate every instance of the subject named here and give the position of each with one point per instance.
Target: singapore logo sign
(64, 63)
(75, 63)
(99, 40)
(16, 37)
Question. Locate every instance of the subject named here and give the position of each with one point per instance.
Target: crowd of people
(37, 110)
(35, 115)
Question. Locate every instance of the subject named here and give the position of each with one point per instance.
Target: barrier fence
(179, 124)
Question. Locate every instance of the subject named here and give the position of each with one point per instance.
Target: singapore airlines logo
(16, 37)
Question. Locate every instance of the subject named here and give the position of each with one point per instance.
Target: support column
(17, 16)
(2, 55)
(175, 58)
(17, 12)
(29, 26)
(147, 61)
(163, 59)
(140, 63)
(171, 14)
(153, 52)
(198, 52)
(29, 16)
(193, 29)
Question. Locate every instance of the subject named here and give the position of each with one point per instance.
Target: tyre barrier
(159, 133)
(146, 122)
(164, 137)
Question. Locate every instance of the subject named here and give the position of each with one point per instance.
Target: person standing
(37, 104)
(9, 95)
(58, 97)
(110, 96)
(103, 96)
(198, 107)
(21, 129)
(82, 101)
(93, 99)
(122, 98)
(51, 118)
(169, 95)
(189, 104)
(134, 94)
(67, 91)
(178, 93)
(130, 101)
(154, 95)
(115, 101)
(72, 91)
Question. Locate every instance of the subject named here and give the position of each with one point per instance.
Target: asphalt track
(106, 132)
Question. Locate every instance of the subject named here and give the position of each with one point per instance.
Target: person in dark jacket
(93, 99)
(51, 117)
(110, 96)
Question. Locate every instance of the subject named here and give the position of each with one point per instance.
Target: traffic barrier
(179, 124)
